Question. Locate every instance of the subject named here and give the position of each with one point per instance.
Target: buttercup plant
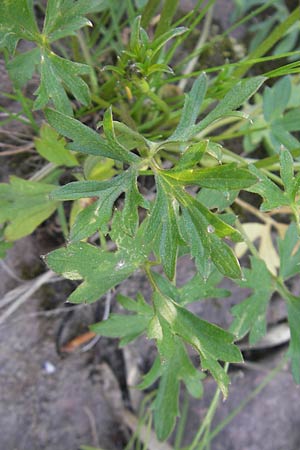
(195, 180)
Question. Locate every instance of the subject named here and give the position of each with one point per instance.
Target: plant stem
(206, 423)
(182, 422)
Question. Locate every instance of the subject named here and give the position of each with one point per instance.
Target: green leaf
(289, 252)
(208, 228)
(212, 343)
(283, 136)
(4, 246)
(50, 88)
(194, 239)
(95, 216)
(22, 67)
(275, 99)
(191, 108)
(98, 168)
(150, 377)
(98, 214)
(57, 76)
(65, 17)
(192, 156)
(287, 171)
(100, 270)
(92, 188)
(228, 177)
(194, 290)
(130, 139)
(85, 139)
(198, 289)
(213, 199)
(293, 310)
(121, 325)
(250, 314)
(272, 195)
(159, 42)
(130, 213)
(166, 407)
(53, 148)
(290, 120)
(17, 22)
(237, 95)
(135, 41)
(163, 226)
(169, 241)
(138, 306)
(24, 205)
(108, 127)
(175, 367)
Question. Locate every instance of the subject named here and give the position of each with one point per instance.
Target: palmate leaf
(105, 193)
(57, 75)
(64, 17)
(17, 22)
(208, 229)
(24, 205)
(198, 227)
(212, 343)
(272, 195)
(101, 270)
(250, 314)
(22, 67)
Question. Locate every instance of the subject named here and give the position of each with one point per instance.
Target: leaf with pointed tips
(175, 366)
(293, 310)
(64, 17)
(250, 314)
(191, 108)
(85, 139)
(24, 205)
(53, 148)
(272, 195)
(237, 95)
(289, 252)
(212, 343)
(101, 270)
(223, 177)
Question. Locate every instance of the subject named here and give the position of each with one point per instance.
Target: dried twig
(22, 293)
(15, 151)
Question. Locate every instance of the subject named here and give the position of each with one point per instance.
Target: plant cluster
(157, 181)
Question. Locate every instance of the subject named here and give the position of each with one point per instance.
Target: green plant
(196, 179)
